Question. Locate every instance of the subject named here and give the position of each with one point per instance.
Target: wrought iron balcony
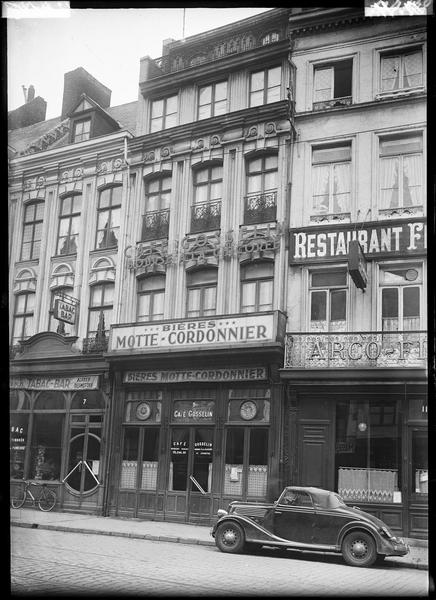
(260, 208)
(375, 349)
(333, 103)
(95, 345)
(205, 216)
(155, 224)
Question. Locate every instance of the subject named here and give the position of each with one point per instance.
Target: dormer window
(82, 131)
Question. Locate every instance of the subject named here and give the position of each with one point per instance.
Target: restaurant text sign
(83, 382)
(188, 333)
(318, 244)
(185, 375)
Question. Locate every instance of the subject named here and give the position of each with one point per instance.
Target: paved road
(54, 563)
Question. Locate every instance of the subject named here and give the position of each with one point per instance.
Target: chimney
(30, 93)
(80, 82)
(33, 111)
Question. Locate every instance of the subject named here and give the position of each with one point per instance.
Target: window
(401, 70)
(157, 201)
(46, 447)
(69, 221)
(140, 458)
(246, 466)
(101, 301)
(55, 324)
(328, 301)
(163, 113)
(82, 131)
(332, 84)
(265, 86)
(401, 298)
(212, 100)
(201, 300)
(331, 180)
(23, 316)
(401, 172)
(33, 217)
(206, 212)
(269, 38)
(108, 217)
(151, 294)
(368, 450)
(261, 199)
(257, 285)
(419, 461)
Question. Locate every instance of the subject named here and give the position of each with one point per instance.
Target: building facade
(185, 322)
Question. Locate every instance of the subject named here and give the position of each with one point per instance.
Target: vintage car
(307, 518)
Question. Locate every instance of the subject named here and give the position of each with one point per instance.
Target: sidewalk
(161, 531)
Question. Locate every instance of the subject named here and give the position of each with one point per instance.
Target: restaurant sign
(193, 333)
(83, 382)
(185, 375)
(376, 239)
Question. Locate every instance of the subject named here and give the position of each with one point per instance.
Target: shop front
(195, 428)
(358, 422)
(58, 406)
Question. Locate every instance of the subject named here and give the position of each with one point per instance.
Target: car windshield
(328, 500)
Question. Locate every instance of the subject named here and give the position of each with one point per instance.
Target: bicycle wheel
(47, 500)
(18, 496)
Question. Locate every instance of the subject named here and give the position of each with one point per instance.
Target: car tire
(230, 537)
(359, 549)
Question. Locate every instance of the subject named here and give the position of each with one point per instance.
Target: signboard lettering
(232, 330)
(376, 239)
(242, 374)
(186, 411)
(84, 382)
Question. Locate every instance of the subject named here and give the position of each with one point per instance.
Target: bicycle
(46, 499)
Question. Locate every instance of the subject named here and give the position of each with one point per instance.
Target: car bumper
(398, 548)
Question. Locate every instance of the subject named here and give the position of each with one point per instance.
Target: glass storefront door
(190, 469)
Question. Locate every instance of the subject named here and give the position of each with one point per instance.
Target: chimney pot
(30, 93)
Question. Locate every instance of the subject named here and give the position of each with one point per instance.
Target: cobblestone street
(56, 563)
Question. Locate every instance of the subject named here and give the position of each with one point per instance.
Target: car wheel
(230, 537)
(359, 549)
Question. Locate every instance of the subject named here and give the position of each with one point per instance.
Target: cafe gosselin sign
(377, 239)
(191, 333)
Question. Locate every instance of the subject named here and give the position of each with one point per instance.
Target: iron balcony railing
(356, 350)
(205, 216)
(155, 225)
(260, 207)
(94, 345)
(333, 103)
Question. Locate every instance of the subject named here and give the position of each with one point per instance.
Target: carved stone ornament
(201, 249)
(40, 182)
(149, 156)
(78, 172)
(215, 140)
(258, 243)
(165, 152)
(270, 128)
(251, 132)
(148, 258)
(117, 164)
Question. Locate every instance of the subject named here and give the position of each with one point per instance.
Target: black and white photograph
(218, 299)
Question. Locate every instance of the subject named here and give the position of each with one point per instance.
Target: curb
(160, 538)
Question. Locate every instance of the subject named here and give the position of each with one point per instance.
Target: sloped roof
(53, 133)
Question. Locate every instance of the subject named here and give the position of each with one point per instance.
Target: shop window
(328, 301)
(46, 448)
(420, 461)
(32, 230)
(401, 172)
(265, 86)
(151, 295)
(246, 462)
(81, 131)
(332, 84)
(140, 458)
(50, 401)
(18, 440)
(368, 451)
(23, 316)
(108, 217)
(212, 100)
(89, 400)
(257, 287)
(331, 180)
(401, 290)
(155, 221)
(163, 113)
(401, 70)
(201, 296)
(100, 308)
(69, 222)
(56, 324)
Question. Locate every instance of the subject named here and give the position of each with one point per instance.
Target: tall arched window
(108, 217)
(257, 286)
(155, 220)
(206, 212)
(201, 292)
(23, 316)
(151, 294)
(32, 230)
(100, 303)
(69, 219)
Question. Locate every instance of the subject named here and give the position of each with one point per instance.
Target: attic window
(82, 130)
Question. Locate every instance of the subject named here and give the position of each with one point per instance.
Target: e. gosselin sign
(377, 239)
(189, 333)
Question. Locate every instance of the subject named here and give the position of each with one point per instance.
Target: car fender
(363, 526)
(253, 531)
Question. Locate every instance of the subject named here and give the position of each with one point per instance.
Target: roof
(53, 133)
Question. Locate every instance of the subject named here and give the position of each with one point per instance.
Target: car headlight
(386, 532)
(221, 512)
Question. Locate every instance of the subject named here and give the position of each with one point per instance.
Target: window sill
(397, 213)
(399, 93)
(331, 218)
